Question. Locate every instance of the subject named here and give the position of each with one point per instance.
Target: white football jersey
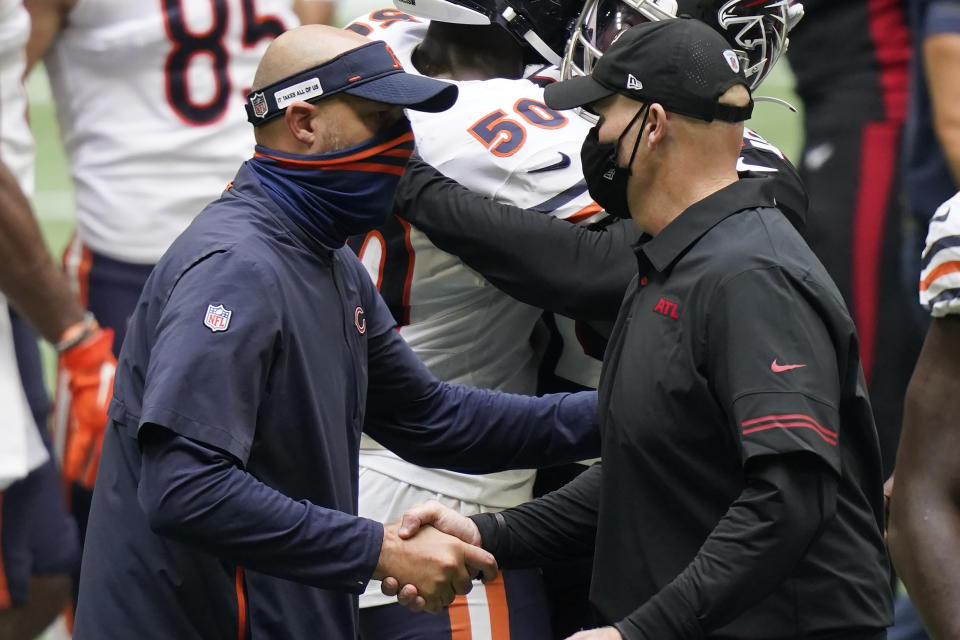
(150, 99)
(16, 143)
(499, 139)
(21, 450)
(940, 263)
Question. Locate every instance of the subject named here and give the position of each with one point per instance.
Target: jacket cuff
(666, 616)
(490, 526)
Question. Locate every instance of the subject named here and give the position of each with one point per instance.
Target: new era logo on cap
(633, 83)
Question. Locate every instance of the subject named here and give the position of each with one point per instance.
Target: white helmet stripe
(442, 11)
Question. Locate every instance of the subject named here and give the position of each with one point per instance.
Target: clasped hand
(433, 518)
(434, 566)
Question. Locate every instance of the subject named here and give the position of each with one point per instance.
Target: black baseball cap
(370, 71)
(682, 63)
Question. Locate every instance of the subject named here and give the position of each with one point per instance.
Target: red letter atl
(667, 308)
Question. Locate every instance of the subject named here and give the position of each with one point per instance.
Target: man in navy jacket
(227, 491)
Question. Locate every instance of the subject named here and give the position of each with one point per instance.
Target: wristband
(90, 326)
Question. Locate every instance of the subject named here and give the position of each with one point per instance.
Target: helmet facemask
(756, 33)
(599, 24)
(541, 26)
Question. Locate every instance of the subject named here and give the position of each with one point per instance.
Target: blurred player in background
(148, 95)
(925, 519)
(933, 126)
(39, 553)
(851, 63)
(932, 151)
(502, 140)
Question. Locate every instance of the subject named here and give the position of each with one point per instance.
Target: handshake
(431, 556)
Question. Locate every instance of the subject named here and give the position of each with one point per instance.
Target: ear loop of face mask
(645, 110)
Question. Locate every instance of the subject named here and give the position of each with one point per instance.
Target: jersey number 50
(188, 44)
(504, 136)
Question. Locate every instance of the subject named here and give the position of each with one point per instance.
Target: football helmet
(542, 26)
(756, 30)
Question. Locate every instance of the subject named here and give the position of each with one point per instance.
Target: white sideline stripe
(479, 610)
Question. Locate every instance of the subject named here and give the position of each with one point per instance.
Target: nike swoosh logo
(780, 368)
(743, 167)
(562, 164)
(941, 217)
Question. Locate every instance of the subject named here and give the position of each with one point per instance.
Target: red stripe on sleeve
(788, 421)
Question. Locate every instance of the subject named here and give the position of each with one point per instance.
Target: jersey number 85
(189, 44)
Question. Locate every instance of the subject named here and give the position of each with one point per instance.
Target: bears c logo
(360, 320)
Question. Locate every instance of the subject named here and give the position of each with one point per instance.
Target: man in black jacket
(740, 490)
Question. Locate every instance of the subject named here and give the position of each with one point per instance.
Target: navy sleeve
(211, 354)
(559, 526)
(435, 424)
(786, 502)
(198, 495)
(773, 366)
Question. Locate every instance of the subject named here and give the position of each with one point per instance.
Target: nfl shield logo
(259, 105)
(217, 318)
(732, 60)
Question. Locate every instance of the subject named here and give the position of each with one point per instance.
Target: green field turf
(53, 196)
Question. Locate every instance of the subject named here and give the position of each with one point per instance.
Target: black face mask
(606, 180)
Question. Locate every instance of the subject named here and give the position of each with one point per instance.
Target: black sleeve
(578, 271)
(198, 495)
(784, 506)
(773, 366)
(561, 525)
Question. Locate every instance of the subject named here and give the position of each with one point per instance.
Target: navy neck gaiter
(335, 195)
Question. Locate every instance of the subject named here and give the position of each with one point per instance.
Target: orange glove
(89, 366)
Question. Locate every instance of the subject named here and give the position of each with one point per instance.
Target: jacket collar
(685, 230)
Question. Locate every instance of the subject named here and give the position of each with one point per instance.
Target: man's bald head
(320, 89)
(302, 48)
